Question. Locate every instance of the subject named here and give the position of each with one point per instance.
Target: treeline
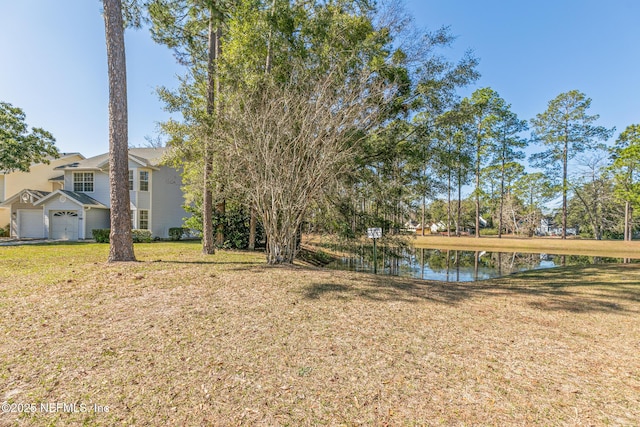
(341, 115)
(478, 143)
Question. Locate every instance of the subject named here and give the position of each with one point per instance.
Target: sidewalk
(6, 241)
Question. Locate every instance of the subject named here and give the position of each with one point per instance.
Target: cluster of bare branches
(289, 144)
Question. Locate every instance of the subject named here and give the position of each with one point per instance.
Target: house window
(143, 220)
(83, 182)
(133, 219)
(144, 181)
(130, 180)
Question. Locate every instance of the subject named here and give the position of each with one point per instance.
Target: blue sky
(53, 60)
(531, 51)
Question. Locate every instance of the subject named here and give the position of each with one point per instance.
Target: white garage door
(64, 225)
(30, 224)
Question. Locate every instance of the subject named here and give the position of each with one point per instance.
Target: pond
(450, 265)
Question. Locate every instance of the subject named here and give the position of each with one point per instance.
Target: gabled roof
(27, 196)
(63, 155)
(80, 198)
(50, 159)
(57, 178)
(145, 157)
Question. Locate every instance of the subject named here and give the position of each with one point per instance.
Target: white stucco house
(77, 199)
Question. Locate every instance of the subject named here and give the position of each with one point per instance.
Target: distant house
(437, 227)
(545, 226)
(548, 228)
(77, 199)
(41, 177)
(411, 226)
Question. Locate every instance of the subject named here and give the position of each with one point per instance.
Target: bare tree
(121, 242)
(290, 143)
(592, 187)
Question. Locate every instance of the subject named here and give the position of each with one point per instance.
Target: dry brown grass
(608, 248)
(183, 339)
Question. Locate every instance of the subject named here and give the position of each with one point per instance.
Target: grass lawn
(184, 339)
(609, 248)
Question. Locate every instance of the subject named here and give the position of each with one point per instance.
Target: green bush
(235, 220)
(489, 232)
(5, 231)
(101, 235)
(176, 233)
(141, 236)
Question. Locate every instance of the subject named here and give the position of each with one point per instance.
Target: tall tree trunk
(121, 243)
(267, 68)
(630, 222)
(449, 203)
(502, 172)
(221, 210)
(423, 212)
(459, 213)
(627, 222)
(208, 246)
(221, 207)
(252, 230)
(478, 188)
(564, 189)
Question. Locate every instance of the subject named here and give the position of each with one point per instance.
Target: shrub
(235, 220)
(176, 233)
(141, 236)
(101, 235)
(489, 232)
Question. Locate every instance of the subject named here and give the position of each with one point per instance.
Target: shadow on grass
(206, 262)
(606, 288)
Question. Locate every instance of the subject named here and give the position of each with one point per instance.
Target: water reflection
(453, 265)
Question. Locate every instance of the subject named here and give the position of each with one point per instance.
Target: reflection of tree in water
(511, 262)
(449, 262)
(358, 257)
(450, 265)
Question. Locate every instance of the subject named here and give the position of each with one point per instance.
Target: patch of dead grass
(184, 339)
(571, 246)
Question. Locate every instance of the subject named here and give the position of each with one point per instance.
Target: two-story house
(41, 177)
(81, 203)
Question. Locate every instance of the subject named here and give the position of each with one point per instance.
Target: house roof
(145, 157)
(57, 178)
(79, 198)
(48, 158)
(26, 195)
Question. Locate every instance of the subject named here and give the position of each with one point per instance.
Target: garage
(64, 225)
(30, 224)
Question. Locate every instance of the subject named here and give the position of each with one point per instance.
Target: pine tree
(566, 129)
(121, 242)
